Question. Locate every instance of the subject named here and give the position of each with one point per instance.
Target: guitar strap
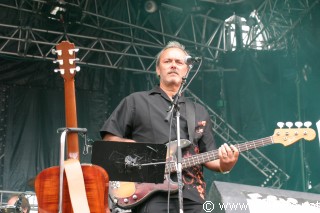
(76, 186)
(191, 119)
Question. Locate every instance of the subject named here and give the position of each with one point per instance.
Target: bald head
(24, 205)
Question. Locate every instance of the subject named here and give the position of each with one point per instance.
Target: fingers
(228, 156)
(235, 151)
(226, 152)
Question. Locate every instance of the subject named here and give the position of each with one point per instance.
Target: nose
(173, 64)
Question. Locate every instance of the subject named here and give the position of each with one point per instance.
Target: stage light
(235, 27)
(241, 33)
(150, 6)
(62, 11)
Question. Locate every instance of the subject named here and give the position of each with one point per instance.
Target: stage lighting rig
(62, 11)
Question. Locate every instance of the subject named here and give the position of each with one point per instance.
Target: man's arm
(111, 137)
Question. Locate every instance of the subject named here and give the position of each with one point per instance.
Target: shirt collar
(158, 90)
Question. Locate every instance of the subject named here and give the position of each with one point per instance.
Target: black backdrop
(267, 88)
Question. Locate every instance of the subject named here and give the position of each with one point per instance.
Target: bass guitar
(94, 180)
(129, 194)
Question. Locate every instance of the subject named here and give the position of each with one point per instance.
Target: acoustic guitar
(130, 194)
(96, 179)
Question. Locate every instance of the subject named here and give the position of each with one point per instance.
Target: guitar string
(212, 155)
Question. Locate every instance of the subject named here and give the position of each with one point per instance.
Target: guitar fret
(254, 144)
(246, 146)
(200, 158)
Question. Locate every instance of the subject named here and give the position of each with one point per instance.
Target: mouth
(173, 72)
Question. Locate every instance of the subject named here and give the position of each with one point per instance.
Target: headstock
(66, 59)
(288, 136)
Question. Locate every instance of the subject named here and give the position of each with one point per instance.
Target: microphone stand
(175, 107)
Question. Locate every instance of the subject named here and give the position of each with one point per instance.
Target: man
(20, 200)
(140, 117)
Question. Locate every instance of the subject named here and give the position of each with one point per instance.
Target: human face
(172, 67)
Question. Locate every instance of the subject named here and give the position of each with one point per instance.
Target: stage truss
(121, 35)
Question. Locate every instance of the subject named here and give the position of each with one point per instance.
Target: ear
(158, 71)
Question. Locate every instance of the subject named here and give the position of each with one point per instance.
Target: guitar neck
(213, 155)
(67, 68)
(71, 119)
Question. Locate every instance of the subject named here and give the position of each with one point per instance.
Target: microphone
(190, 60)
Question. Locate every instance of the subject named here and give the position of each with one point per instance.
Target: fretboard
(213, 155)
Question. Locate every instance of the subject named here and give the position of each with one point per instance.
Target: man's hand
(228, 156)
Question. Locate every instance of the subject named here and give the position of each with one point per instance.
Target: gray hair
(171, 44)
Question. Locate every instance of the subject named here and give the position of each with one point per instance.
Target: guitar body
(129, 194)
(47, 190)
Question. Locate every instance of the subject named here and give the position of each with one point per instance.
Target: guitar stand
(64, 132)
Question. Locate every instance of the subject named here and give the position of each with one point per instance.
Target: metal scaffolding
(274, 176)
(121, 35)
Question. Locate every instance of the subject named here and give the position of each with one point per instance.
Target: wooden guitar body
(47, 190)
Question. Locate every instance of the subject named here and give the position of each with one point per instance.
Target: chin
(174, 82)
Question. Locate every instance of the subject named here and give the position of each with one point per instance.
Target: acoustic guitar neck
(66, 59)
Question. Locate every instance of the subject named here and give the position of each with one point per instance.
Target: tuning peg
(289, 124)
(307, 124)
(71, 51)
(72, 70)
(298, 124)
(60, 61)
(54, 51)
(71, 61)
(280, 124)
(59, 70)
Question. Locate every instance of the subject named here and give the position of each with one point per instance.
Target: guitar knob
(54, 51)
(58, 61)
(135, 197)
(280, 124)
(59, 70)
(298, 124)
(72, 70)
(71, 51)
(125, 200)
(289, 124)
(307, 124)
(71, 61)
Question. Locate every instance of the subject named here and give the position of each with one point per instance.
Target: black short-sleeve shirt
(141, 117)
